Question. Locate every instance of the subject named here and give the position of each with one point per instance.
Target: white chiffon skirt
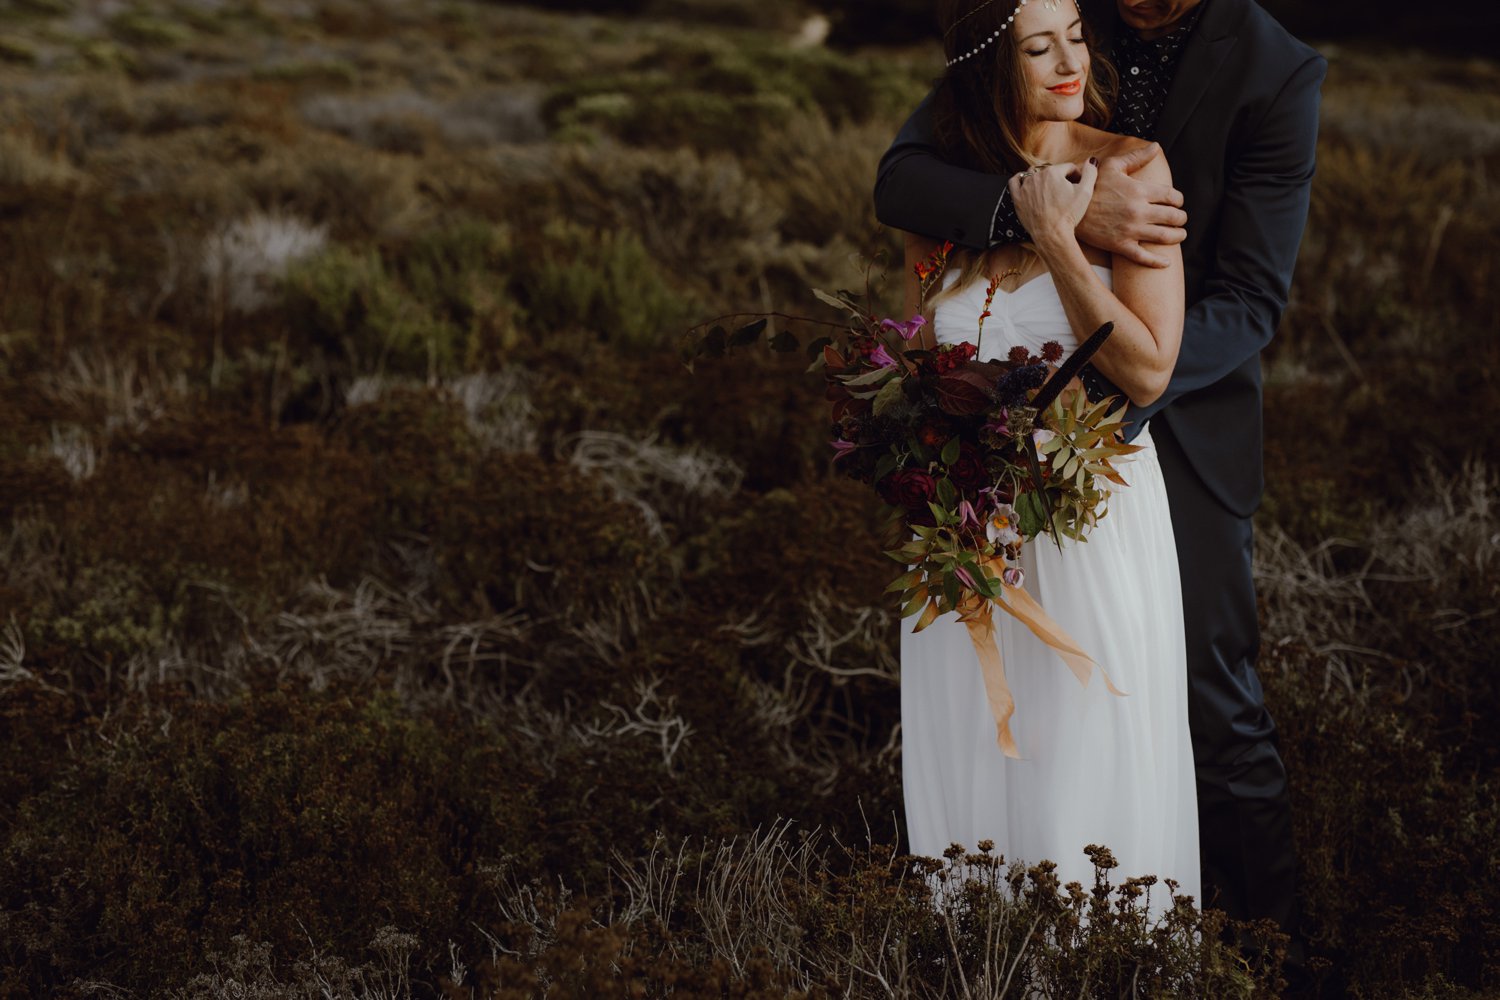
(1097, 768)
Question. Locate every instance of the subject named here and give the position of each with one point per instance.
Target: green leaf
(830, 300)
(784, 342)
(928, 617)
(869, 377)
(952, 589)
(906, 581)
(887, 397)
(950, 451)
(946, 493)
(1031, 516)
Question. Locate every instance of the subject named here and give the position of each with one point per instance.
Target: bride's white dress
(1097, 768)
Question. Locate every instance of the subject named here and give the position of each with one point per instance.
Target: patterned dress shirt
(1146, 71)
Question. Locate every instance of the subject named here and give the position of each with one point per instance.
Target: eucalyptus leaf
(830, 300)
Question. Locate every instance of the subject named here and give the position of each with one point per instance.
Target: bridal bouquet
(974, 459)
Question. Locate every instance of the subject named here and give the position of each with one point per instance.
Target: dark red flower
(968, 472)
(909, 488)
(933, 434)
(1052, 352)
(1019, 355)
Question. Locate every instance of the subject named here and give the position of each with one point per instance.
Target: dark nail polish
(1094, 160)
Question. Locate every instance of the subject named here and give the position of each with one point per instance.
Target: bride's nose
(1071, 63)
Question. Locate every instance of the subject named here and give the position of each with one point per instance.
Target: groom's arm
(1260, 229)
(918, 192)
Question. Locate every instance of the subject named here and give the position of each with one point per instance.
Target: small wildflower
(882, 357)
(1013, 577)
(907, 330)
(1019, 355)
(1052, 352)
(1002, 527)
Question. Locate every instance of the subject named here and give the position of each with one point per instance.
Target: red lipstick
(1067, 89)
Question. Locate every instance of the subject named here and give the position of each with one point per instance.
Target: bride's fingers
(1088, 176)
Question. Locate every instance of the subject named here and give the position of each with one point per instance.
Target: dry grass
(348, 462)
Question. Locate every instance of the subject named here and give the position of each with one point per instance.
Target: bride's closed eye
(1042, 52)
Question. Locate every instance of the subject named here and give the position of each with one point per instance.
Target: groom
(1233, 100)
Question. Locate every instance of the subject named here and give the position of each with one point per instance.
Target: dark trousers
(1244, 818)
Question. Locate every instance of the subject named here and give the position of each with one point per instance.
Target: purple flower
(1013, 577)
(963, 575)
(882, 357)
(908, 330)
(1000, 426)
(843, 448)
(967, 515)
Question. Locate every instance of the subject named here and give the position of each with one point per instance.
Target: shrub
(601, 283)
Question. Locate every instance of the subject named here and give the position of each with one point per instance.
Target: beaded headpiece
(1049, 4)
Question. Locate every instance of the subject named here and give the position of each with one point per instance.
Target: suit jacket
(1240, 130)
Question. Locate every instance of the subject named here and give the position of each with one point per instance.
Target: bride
(1022, 92)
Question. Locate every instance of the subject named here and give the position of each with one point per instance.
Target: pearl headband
(1050, 5)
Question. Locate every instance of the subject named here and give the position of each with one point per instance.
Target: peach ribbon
(976, 613)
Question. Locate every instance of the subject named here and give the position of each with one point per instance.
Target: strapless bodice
(1029, 316)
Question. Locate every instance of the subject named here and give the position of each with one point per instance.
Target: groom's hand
(1126, 212)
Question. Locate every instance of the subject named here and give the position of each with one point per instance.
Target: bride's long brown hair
(980, 109)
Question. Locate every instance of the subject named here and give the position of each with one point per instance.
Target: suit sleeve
(917, 191)
(1263, 215)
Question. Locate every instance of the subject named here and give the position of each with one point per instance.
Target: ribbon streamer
(977, 614)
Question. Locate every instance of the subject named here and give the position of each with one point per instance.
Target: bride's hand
(1051, 200)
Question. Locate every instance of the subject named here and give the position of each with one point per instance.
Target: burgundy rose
(968, 472)
(909, 488)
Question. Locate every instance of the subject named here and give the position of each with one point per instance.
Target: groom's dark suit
(1239, 128)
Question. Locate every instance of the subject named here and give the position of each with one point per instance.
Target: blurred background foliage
(382, 601)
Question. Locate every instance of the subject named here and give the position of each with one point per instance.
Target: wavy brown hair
(979, 111)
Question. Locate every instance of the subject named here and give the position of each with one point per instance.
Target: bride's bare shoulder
(1105, 144)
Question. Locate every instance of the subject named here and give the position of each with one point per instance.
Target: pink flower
(967, 516)
(963, 575)
(882, 357)
(843, 448)
(1013, 577)
(908, 330)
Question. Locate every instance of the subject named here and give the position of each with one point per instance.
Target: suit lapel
(1202, 58)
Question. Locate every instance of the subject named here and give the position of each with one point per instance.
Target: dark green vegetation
(380, 599)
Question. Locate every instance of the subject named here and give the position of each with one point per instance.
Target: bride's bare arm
(1146, 305)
